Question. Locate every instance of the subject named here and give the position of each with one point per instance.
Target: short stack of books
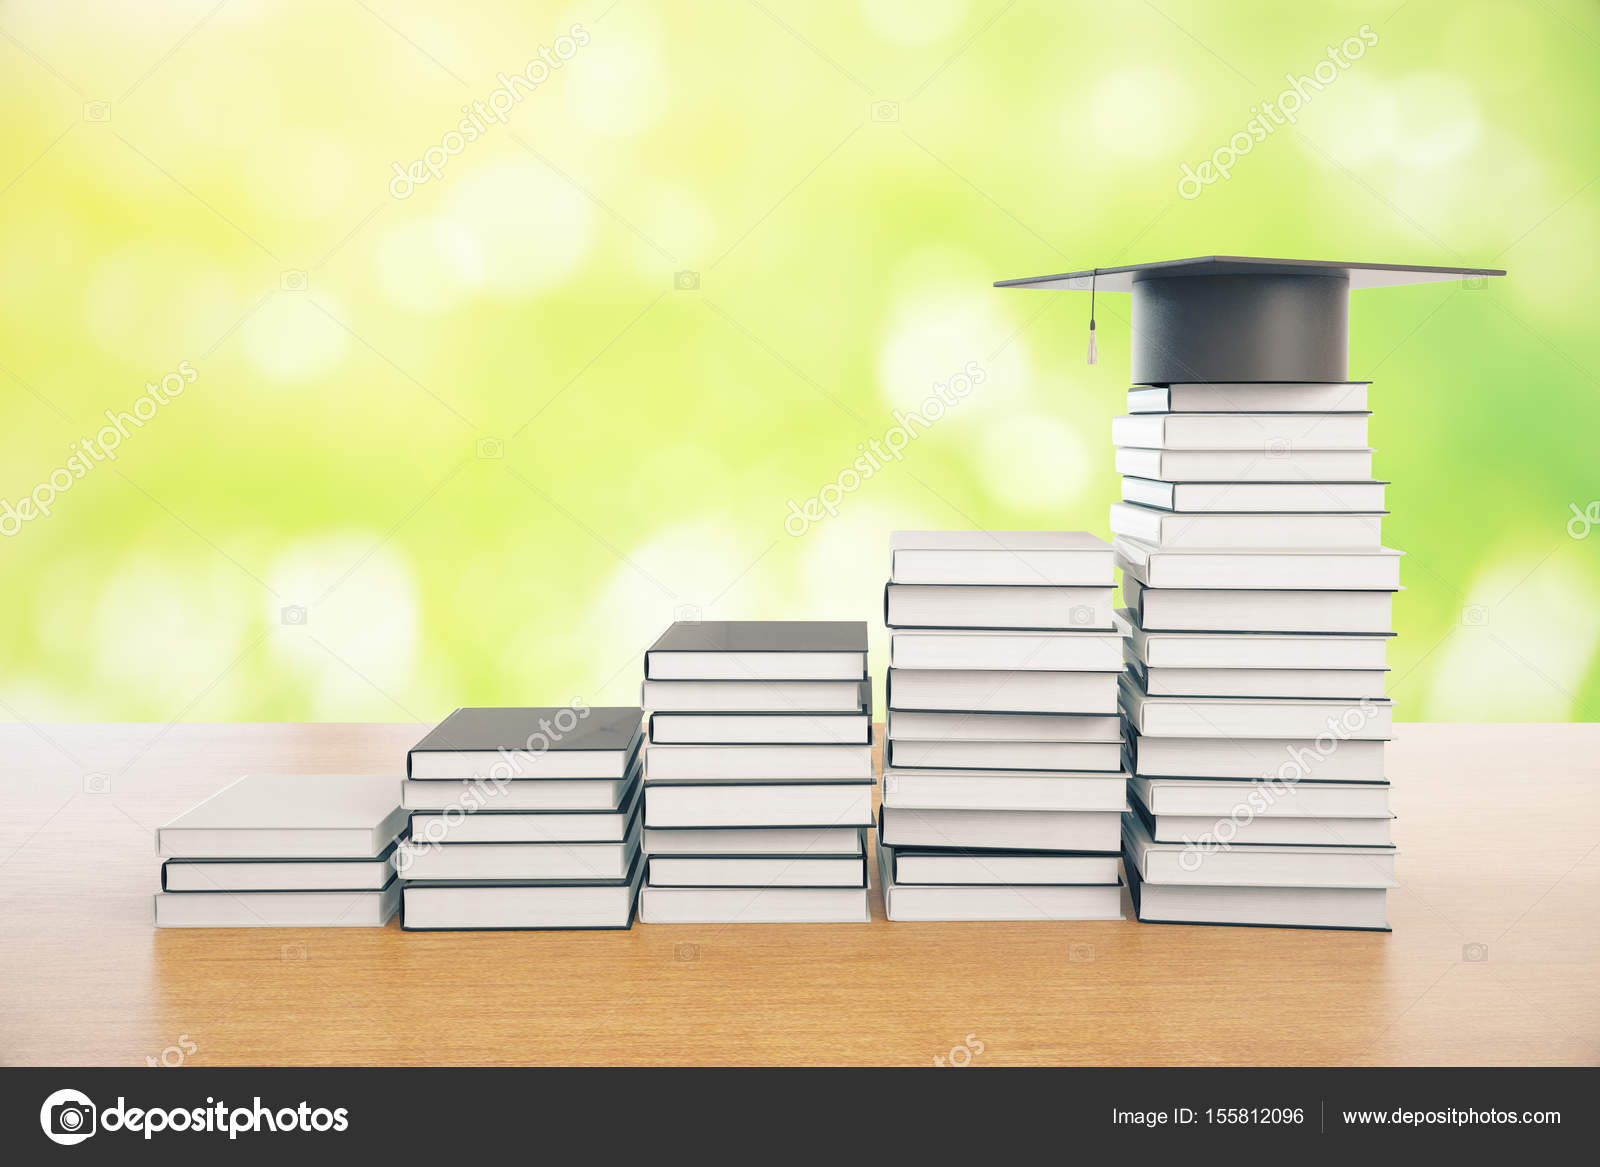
(284, 851)
(524, 818)
(1003, 786)
(758, 773)
(1259, 592)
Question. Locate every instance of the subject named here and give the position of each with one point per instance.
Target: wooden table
(1498, 828)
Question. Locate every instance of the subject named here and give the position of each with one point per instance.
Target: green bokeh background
(210, 183)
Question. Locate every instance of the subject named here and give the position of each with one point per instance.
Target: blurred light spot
(913, 22)
(1034, 462)
(290, 339)
(1142, 112)
(428, 265)
(534, 229)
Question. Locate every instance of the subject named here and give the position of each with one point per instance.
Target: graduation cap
(1236, 318)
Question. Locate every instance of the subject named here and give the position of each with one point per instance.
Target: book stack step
(1258, 595)
(284, 851)
(758, 773)
(1003, 786)
(524, 819)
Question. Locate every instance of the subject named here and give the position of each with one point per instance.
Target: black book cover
(515, 728)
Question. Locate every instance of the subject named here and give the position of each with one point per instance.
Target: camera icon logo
(886, 111)
(292, 953)
(1081, 616)
(293, 614)
(491, 448)
(293, 280)
(1475, 615)
(1081, 954)
(1278, 448)
(97, 111)
(68, 1117)
(1474, 953)
(686, 953)
(686, 614)
(686, 281)
(1475, 283)
(97, 783)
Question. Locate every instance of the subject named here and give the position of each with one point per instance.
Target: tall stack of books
(284, 851)
(1258, 590)
(1003, 785)
(758, 773)
(524, 818)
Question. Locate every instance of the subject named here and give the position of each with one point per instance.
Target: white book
(968, 648)
(833, 804)
(999, 557)
(912, 902)
(759, 650)
(1003, 755)
(277, 874)
(1220, 610)
(1347, 569)
(761, 728)
(499, 826)
(755, 696)
(755, 841)
(1254, 717)
(1253, 464)
(773, 763)
(1309, 832)
(1235, 497)
(1286, 759)
(1002, 692)
(757, 871)
(948, 606)
(290, 816)
(1257, 650)
(276, 909)
(754, 905)
(1162, 682)
(464, 905)
(519, 861)
(914, 726)
(1270, 434)
(513, 743)
(1254, 865)
(1283, 907)
(1250, 397)
(1168, 530)
(1008, 830)
(1261, 799)
(545, 794)
(910, 866)
(913, 789)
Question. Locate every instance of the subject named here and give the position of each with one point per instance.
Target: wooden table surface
(1494, 958)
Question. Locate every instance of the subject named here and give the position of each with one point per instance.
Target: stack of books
(524, 818)
(284, 851)
(1259, 592)
(758, 773)
(1003, 785)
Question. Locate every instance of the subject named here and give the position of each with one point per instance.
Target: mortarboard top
(1239, 318)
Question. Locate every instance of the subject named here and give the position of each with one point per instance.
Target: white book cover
(1346, 569)
(518, 861)
(1219, 610)
(1284, 759)
(949, 606)
(545, 794)
(954, 902)
(1000, 650)
(1335, 683)
(914, 789)
(754, 905)
(1205, 532)
(1286, 463)
(290, 816)
(1282, 907)
(1073, 558)
(1008, 830)
(278, 874)
(465, 905)
(756, 841)
(754, 696)
(1273, 434)
(771, 763)
(1257, 650)
(992, 691)
(912, 866)
(1250, 397)
(276, 909)
(1255, 717)
(1307, 798)
(832, 804)
(1255, 497)
(909, 725)
(757, 871)
(760, 728)
(1254, 865)
(1004, 755)
(1309, 832)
